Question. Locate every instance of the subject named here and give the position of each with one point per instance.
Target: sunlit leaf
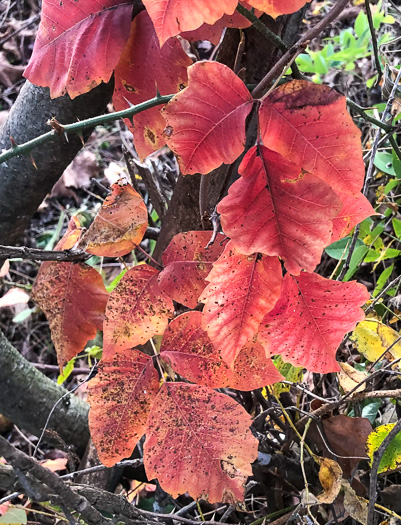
(213, 107)
(373, 338)
(199, 441)
(310, 320)
(391, 459)
(120, 397)
(241, 290)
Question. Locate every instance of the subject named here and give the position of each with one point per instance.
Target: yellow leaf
(372, 338)
(391, 459)
(349, 378)
(330, 477)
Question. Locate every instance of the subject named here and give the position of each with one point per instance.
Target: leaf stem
(260, 26)
(77, 127)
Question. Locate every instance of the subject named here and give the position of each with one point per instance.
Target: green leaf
(22, 316)
(381, 281)
(336, 249)
(396, 165)
(69, 367)
(397, 227)
(356, 259)
(290, 372)
(384, 162)
(14, 517)
(391, 459)
(110, 287)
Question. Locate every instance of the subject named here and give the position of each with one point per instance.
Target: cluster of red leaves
(298, 191)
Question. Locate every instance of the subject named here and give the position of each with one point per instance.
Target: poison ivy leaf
(199, 441)
(171, 17)
(73, 298)
(391, 459)
(275, 8)
(187, 263)
(372, 339)
(218, 101)
(144, 68)
(241, 290)
(310, 320)
(188, 349)
(120, 397)
(355, 209)
(309, 124)
(276, 208)
(136, 311)
(78, 46)
(120, 224)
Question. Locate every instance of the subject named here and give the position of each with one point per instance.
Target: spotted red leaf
(187, 263)
(120, 397)
(119, 225)
(309, 124)
(355, 208)
(73, 298)
(277, 209)
(310, 320)
(199, 441)
(136, 311)
(213, 107)
(275, 8)
(78, 45)
(171, 17)
(190, 352)
(241, 290)
(144, 68)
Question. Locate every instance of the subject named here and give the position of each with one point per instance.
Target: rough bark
(22, 186)
(27, 396)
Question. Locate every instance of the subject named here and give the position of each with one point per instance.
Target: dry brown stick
(59, 491)
(377, 457)
(42, 255)
(297, 47)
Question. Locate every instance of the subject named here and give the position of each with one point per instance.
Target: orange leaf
(242, 290)
(188, 349)
(136, 311)
(78, 45)
(187, 263)
(310, 320)
(277, 209)
(212, 108)
(73, 298)
(275, 8)
(199, 441)
(355, 208)
(120, 397)
(71, 236)
(171, 17)
(309, 124)
(142, 69)
(119, 225)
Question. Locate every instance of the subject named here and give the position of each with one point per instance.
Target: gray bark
(22, 186)
(27, 396)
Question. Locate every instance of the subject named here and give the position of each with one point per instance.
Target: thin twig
(377, 457)
(78, 127)
(298, 47)
(374, 42)
(260, 26)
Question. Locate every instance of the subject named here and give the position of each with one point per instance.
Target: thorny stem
(78, 127)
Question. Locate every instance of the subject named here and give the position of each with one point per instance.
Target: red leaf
(120, 397)
(275, 8)
(190, 352)
(188, 349)
(187, 263)
(71, 236)
(73, 298)
(171, 17)
(119, 225)
(277, 209)
(136, 310)
(78, 46)
(355, 208)
(213, 107)
(309, 124)
(144, 68)
(310, 320)
(199, 441)
(242, 290)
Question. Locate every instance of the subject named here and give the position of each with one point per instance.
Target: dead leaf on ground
(77, 175)
(330, 477)
(349, 378)
(9, 74)
(14, 296)
(356, 507)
